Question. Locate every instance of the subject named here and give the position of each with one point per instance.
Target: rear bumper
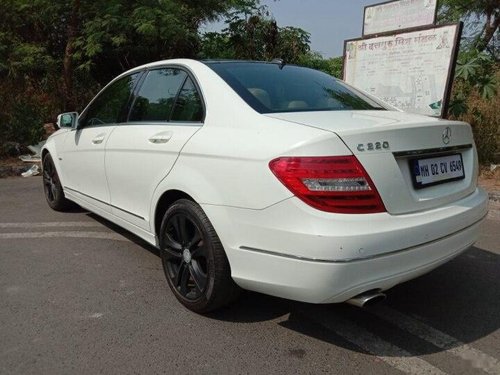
(324, 282)
(292, 251)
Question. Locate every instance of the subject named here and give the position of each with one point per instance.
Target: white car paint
(82, 163)
(276, 243)
(138, 157)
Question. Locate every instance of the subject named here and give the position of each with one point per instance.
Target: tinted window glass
(267, 88)
(188, 105)
(156, 97)
(109, 105)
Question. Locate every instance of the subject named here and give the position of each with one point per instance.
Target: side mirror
(67, 120)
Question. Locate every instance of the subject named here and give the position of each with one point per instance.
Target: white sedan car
(268, 177)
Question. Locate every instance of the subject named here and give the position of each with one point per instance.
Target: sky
(329, 22)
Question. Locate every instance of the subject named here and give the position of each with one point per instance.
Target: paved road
(79, 295)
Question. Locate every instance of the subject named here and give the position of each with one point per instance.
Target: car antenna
(281, 63)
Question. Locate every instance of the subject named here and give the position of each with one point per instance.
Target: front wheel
(52, 188)
(194, 261)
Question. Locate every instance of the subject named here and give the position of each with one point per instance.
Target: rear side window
(269, 88)
(188, 106)
(108, 107)
(156, 97)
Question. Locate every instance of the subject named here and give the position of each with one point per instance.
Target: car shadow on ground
(456, 304)
(129, 236)
(460, 300)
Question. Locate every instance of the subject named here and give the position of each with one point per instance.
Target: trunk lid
(388, 143)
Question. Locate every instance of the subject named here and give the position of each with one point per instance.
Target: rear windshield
(269, 88)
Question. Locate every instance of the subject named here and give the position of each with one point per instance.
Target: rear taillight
(333, 184)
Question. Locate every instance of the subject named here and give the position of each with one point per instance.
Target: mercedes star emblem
(446, 137)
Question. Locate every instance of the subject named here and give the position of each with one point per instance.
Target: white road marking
(99, 235)
(86, 224)
(383, 350)
(13, 289)
(477, 358)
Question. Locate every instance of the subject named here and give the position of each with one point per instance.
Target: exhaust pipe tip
(368, 298)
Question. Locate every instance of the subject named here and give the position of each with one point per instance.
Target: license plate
(437, 170)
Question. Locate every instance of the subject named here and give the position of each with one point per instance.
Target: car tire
(52, 187)
(194, 261)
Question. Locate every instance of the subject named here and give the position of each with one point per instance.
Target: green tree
(255, 36)
(482, 20)
(475, 88)
(54, 55)
(478, 59)
(117, 34)
(314, 60)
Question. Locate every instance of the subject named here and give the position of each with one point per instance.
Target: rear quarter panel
(227, 161)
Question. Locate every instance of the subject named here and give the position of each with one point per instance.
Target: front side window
(270, 88)
(111, 102)
(156, 97)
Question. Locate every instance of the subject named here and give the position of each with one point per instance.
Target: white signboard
(397, 15)
(408, 70)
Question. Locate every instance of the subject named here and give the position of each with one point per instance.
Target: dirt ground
(11, 167)
(490, 180)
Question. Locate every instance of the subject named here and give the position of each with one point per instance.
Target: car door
(84, 148)
(166, 111)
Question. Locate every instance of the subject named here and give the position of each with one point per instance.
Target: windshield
(271, 88)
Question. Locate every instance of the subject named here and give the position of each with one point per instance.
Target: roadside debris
(30, 158)
(33, 171)
(36, 158)
(36, 150)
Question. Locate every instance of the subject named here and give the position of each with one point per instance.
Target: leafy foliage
(54, 55)
(255, 37)
(258, 37)
(314, 60)
(475, 92)
(482, 20)
(484, 116)
(476, 72)
(476, 101)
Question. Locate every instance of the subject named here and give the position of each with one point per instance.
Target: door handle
(98, 140)
(161, 138)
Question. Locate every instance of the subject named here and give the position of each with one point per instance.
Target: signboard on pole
(410, 70)
(398, 15)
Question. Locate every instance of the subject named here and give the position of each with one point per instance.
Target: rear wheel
(194, 261)
(53, 190)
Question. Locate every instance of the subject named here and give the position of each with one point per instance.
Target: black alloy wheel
(53, 190)
(194, 261)
(186, 255)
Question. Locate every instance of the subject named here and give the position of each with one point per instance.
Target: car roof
(192, 62)
(230, 61)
